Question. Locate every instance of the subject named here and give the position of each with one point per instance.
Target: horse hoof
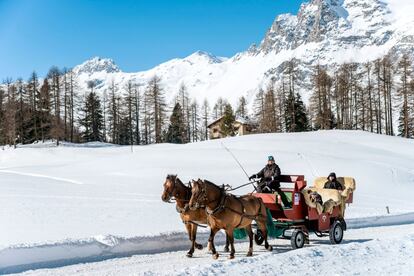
(231, 257)
(199, 246)
(215, 256)
(270, 248)
(189, 255)
(226, 249)
(249, 254)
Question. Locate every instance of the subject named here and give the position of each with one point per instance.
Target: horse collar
(220, 206)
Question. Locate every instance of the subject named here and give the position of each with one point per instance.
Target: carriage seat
(330, 197)
(347, 182)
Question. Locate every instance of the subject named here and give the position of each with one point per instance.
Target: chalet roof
(239, 119)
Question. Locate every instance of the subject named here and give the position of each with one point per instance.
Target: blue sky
(36, 34)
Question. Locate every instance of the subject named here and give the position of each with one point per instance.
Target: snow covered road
(97, 202)
(365, 251)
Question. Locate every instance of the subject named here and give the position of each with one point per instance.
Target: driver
(269, 180)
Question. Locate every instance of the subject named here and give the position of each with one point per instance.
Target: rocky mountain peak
(97, 64)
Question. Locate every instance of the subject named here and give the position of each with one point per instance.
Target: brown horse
(174, 188)
(228, 212)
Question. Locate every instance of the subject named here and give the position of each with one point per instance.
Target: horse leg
(264, 231)
(211, 242)
(189, 227)
(194, 231)
(250, 233)
(231, 240)
(226, 247)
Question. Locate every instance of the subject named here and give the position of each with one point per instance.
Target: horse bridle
(202, 196)
(173, 188)
(170, 194)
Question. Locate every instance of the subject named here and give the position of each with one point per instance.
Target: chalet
(241, 127)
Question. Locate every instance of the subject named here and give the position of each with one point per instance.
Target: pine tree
(290, 123)
(176, 133)
(227, 126)
(296, 118)
(92, 120)
(302, 123)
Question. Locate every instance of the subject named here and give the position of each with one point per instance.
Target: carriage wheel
(298, 239)
(336, 233)
(258, 237)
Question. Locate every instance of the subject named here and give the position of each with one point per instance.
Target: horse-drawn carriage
(304, 215)
(258, 215)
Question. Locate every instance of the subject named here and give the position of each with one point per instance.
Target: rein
(229, 188)
(195, 223)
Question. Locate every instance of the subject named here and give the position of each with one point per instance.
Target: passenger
(333, 183)
(269, 180)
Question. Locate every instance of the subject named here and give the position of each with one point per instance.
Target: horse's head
(198, 195)
(169, 187)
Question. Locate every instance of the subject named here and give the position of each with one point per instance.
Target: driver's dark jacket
(270, 173)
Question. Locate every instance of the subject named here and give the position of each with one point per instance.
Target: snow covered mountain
(328, 32)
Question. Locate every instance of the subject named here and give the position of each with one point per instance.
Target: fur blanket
(330, 197)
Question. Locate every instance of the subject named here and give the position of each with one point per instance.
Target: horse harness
(222, 206)
(186, 208)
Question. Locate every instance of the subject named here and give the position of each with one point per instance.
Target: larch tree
(405, 95)
(205, 117)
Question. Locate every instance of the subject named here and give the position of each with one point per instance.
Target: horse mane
(211, 183)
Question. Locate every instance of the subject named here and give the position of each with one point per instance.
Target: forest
(376, 96)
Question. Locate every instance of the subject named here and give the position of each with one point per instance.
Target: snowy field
(83, 203)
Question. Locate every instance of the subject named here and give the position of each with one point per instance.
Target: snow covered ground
(366, 251)
(82, 203)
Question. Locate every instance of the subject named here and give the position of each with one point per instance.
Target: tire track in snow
(59, 179)
(78, 197)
